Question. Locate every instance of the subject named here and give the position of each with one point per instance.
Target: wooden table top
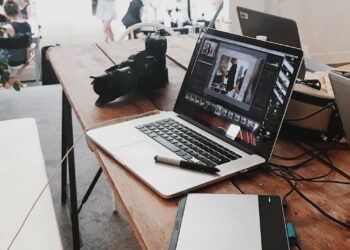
(151, 216)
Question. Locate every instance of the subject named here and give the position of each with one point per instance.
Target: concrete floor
(100, 227)
(68, 22)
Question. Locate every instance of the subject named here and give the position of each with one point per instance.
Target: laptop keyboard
(187, 143)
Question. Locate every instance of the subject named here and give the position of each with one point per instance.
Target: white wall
(324, 25)
(72, 22)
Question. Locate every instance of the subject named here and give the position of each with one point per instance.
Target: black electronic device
(145, 70)
(275, 28)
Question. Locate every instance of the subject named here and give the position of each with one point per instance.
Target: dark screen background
(270, 84)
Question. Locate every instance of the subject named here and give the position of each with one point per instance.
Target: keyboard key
(152, 135)
(187, 143)
(181, 153)
(187, 157)
(166, 144)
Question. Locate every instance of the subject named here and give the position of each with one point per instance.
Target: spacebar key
(166, 144)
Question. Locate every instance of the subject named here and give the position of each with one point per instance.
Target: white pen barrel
(166, 160)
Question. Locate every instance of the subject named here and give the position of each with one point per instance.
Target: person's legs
(105, 30)
(108, 30)
(111, 34)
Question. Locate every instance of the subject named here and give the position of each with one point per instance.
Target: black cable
(335, 148)
(284, 199)
(293, 183)
(302, 178)
(312, 179)
(295, 189)
(298, 246)
(339, 171)
(298, 177)
(339, 222)
(309, 151)
(289, 158)
(316, 153)
(309, 115)
(299, 164)
(237, 186)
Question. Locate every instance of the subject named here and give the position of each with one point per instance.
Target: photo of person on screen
(209, 48)
(220, 75)
(231, 75)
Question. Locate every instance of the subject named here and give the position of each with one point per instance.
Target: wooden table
(150, 216)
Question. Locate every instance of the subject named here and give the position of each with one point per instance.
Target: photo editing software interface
(238, 90)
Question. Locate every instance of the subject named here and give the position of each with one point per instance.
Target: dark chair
(3, 19)
(20, 51)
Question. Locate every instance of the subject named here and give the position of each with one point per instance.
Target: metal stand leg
(91, 187)
(114, 203)
(64, 151)
(68, 131)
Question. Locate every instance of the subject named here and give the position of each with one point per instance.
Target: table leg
(36, 40)
(91, 187)
(71, 169)
(64, 151)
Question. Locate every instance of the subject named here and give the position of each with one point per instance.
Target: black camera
(143, 71)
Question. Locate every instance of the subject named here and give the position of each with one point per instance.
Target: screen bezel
(251, 41)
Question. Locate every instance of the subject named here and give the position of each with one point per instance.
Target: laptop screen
(237, 88)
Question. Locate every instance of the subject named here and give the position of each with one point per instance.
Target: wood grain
(73, 66)
(180, 49)
(150, 216)
(314, 230)
(345, 67)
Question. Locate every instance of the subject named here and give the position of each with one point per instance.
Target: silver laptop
(341, 89)
(228, 114)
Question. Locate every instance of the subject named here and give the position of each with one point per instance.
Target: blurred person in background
(17, 24)
(25, 10)
(106, 11)
(133, 16)
(3, 17)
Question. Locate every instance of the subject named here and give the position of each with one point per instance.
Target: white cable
(64, 157)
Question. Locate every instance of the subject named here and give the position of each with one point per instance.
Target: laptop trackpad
(142, 152)
(165, 179)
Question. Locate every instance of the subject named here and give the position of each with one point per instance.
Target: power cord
(309, 151)
(289, 174)
(338, 170)
(237, 186)
(42, 191)
(312, 203)
(310, 115)
(297, 246)
(292, 178)
(293, 185)
(64, 157)
(299, 164)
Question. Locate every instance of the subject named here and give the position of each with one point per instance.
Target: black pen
(186, 164)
